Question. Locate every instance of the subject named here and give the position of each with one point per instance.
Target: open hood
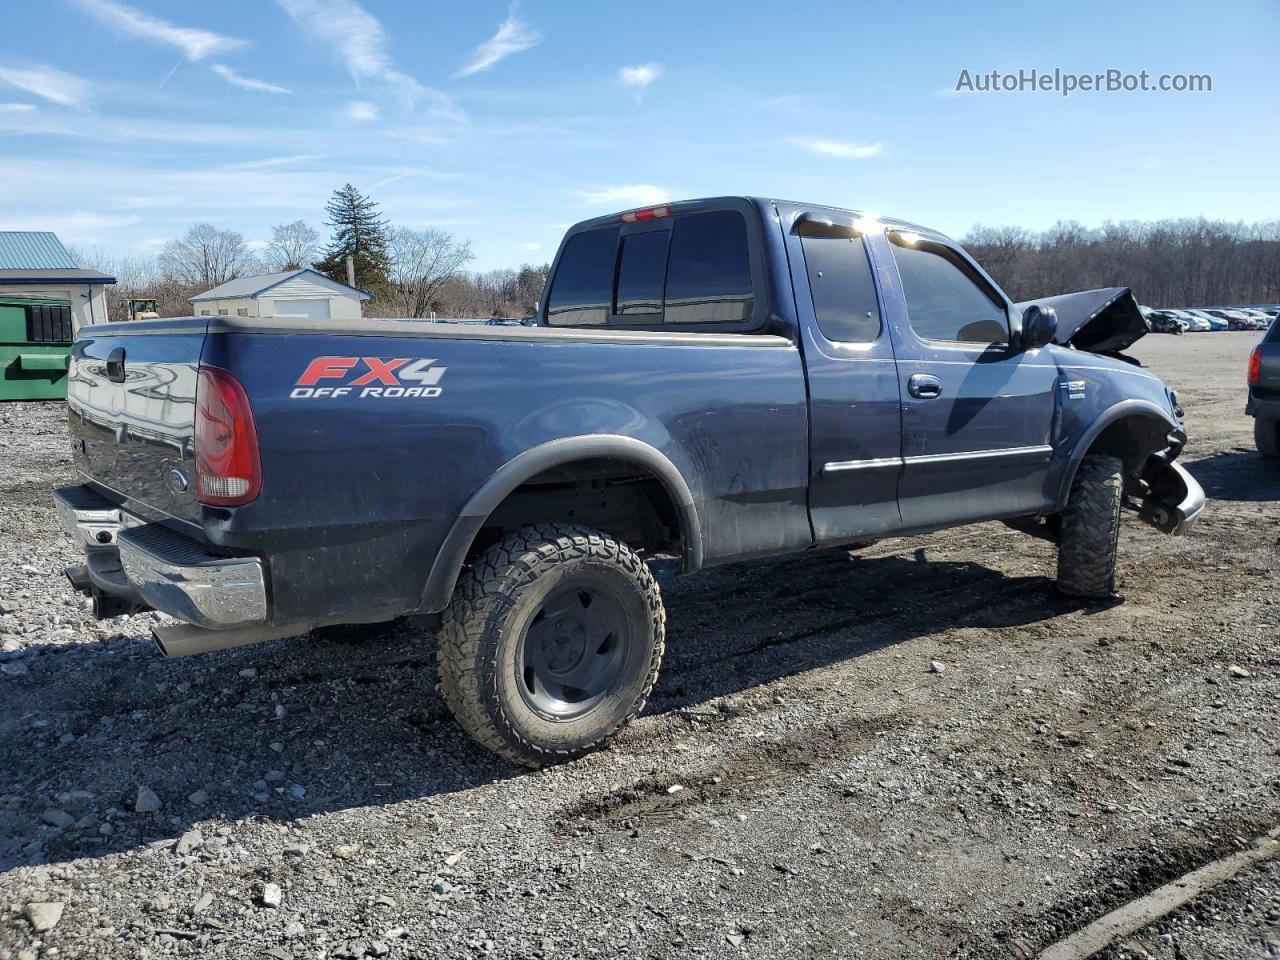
(1100, 321)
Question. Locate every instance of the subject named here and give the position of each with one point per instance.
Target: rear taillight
(228, 471)
(1255, 366)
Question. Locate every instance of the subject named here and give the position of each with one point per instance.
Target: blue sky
(123, 123)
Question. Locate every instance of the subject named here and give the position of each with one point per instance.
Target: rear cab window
(580, 294)
(843, 288)
(688, 271)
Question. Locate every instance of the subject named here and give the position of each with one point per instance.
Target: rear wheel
(1091, 529)
(552, 643)
(1266, 436)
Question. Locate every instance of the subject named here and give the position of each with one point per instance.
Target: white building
(296, 293)
(35, 265)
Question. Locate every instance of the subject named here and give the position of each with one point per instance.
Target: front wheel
(552, 643)
(1090, 530)
(1266, 436)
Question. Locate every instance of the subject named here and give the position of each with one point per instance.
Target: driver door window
(944, 299)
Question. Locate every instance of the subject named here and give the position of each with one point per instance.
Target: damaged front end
(1166, 495)
(1104, 321)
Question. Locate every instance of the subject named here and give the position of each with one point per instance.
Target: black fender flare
(1119, 411)
(453, 551)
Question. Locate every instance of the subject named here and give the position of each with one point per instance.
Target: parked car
(1264, 392)
(1215, 323)
(1195, 323)
(1261, 319)
(1165, 321)
(712, 380)
(1234, 319)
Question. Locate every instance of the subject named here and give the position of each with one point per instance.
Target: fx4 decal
(369, 377)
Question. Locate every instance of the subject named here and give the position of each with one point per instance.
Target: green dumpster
(35, 344)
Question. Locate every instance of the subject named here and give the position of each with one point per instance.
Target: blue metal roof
(33, 250)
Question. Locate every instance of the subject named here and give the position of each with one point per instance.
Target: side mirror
(1039, 324)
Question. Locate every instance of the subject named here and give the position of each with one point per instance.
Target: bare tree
(500, 290)
(206, 256)
(292, 247)
(421, 262)
(1168, 263)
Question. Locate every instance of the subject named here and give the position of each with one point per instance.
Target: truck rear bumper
(1257, 406)
(141, 564)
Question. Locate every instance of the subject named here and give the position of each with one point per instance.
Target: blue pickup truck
(711, 380)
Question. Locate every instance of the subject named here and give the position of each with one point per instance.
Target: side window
(844, 291)
(222, 311)
(944, 302)
(709, 269)
(206, 313)
(242, 311)
(583, 284)
(642, 270)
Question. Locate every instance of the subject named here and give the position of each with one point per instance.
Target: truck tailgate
(131, 399)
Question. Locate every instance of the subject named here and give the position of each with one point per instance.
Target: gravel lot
(801, 784)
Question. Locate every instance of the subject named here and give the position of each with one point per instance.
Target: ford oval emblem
(176, 481)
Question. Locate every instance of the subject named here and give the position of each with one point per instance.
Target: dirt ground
(800, 785)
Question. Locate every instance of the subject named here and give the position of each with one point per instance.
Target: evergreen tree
(359, 232)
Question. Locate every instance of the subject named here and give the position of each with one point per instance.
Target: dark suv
(1264, 392)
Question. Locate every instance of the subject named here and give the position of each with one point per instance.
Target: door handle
(924, 386)
(115, 365)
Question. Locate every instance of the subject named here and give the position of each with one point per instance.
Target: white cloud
(195, 44)
(358, 38)
(17, 107)
(513, 36)
(362, 111)
(532, 247)
(64, 89)
(350, 29)
(848, 149)
(276, 161)
(247, 83)
(77, 227)
(640, 76)
(626, 195)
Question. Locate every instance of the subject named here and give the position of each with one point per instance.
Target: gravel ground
(801, 785)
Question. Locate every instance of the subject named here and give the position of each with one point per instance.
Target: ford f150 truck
(1264, 392)
(711, 380)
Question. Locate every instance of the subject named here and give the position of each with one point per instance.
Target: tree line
(1168, 263)
(411, 272)
(419, 272)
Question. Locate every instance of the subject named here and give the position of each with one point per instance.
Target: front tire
(1091, 528)
(1266, 436)
(552, 643)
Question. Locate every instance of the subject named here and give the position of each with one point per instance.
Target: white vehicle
(1195, 322)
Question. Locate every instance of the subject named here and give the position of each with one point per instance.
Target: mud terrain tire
(1266, 436)
(552, 643)
(1091, 529)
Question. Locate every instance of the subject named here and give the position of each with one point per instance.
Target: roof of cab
(692, 205)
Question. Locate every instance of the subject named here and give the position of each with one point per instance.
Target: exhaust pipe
(185, 639)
